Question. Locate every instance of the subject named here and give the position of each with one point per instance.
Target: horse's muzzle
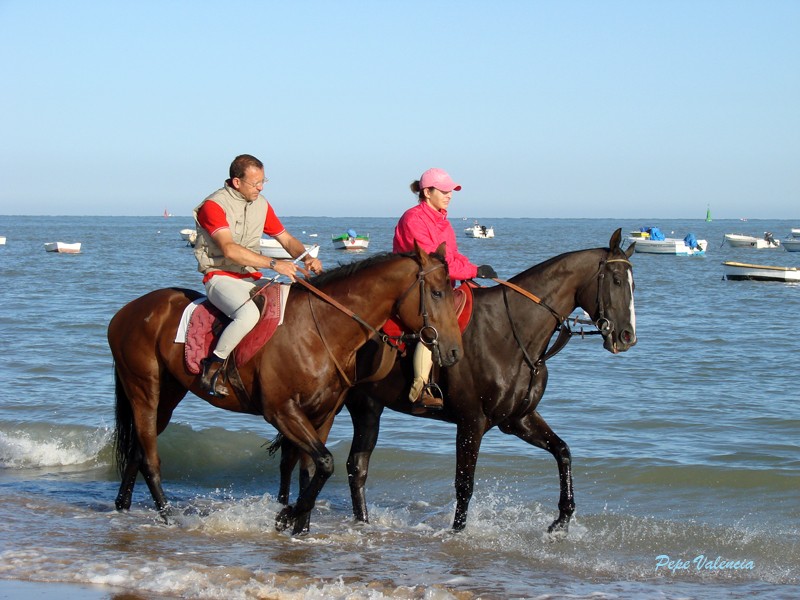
(616, 343)
(448, 359)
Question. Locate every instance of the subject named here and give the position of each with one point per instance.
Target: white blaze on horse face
(633, 312)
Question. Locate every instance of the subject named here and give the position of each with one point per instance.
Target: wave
(41, 445)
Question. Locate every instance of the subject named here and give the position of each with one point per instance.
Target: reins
(529, 296)
(565, 333)
(432, 340)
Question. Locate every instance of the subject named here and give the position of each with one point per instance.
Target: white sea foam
(51, 448)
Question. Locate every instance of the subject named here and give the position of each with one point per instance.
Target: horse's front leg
(468, 445)
(366, 416)
(533, 429)
(294, 425)
(290, 456)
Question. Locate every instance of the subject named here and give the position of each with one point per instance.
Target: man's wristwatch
(272, 263)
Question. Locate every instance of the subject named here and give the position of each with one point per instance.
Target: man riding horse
(229, 227)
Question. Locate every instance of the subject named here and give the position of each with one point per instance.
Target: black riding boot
(212, 367)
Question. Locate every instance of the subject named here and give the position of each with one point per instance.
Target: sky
(556, 109)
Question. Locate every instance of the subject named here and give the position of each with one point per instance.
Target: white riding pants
(232, 297)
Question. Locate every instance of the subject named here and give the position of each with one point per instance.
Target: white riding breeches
(232, 297)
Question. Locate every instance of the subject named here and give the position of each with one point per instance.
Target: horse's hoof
(558, 530)
(167, 515)
(302, 525)
(284, 519)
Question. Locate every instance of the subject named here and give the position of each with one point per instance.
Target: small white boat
(270, 247)
(675, 246)
(2, 240)
(479, 231)
(735, 271)
(736, 240)
(791, 244)
(62, 247)
(190, 235)
(350, 241)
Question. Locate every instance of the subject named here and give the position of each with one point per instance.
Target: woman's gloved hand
(486, 272)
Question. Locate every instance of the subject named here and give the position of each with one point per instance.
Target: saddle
(207, 322)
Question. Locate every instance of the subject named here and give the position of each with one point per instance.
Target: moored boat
(791, 244)
(2, 240)
(272, 248)
(190, 235)
(737, 240)
(63, 247)
(479, 231)
(350, 241)
(735, 271)
(675, 246)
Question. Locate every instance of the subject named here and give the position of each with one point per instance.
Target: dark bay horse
(296, 381)
(503, 375)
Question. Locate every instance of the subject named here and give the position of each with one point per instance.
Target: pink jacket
(430, 228)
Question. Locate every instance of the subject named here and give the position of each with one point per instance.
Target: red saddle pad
(207, 322)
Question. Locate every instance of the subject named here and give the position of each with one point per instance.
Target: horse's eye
(437, 294)
(617, 281)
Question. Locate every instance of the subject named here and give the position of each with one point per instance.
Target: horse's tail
(126, 444)
(275, 444)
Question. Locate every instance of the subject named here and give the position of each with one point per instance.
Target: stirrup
(430, 400)
(211, 385)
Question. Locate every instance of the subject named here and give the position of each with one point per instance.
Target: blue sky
(539, 109)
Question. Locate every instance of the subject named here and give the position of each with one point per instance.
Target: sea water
(685, 448)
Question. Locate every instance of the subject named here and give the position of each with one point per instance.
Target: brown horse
(503, 374)
(297, 381)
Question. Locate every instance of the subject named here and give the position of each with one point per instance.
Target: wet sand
(18, 590)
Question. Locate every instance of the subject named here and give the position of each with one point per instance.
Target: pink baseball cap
(439, 179)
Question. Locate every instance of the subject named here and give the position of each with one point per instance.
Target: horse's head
(427, 307)
(612, 309)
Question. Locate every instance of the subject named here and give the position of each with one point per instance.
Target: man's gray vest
(246, 221)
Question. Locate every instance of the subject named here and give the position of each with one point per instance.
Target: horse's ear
(616, 238)
(629, 250)
(419, 251)
(441, 249)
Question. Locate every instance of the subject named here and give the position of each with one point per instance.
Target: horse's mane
(557, 259)
(348, 269)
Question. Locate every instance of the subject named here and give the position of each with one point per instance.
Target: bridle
(604, 325)
(428, 334)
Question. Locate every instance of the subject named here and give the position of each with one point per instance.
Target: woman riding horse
(503, 374)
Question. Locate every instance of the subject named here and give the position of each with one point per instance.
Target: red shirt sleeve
(273, 225)
(211, 217)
